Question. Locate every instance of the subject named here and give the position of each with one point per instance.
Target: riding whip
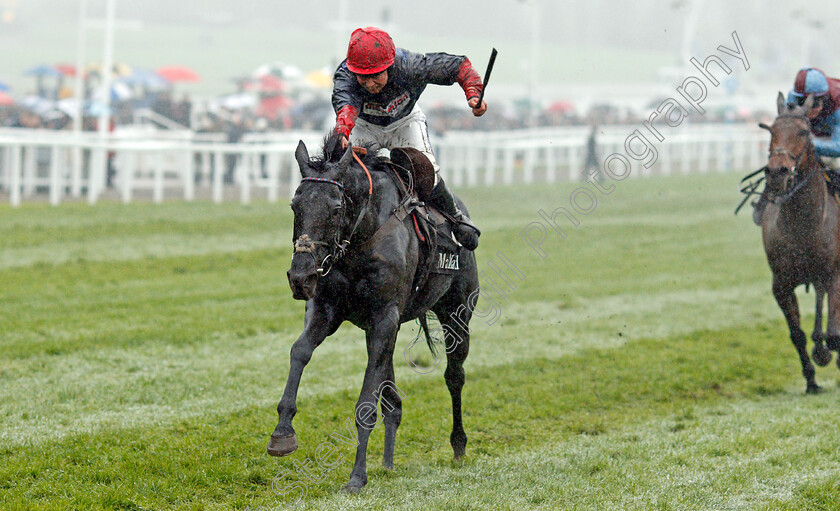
(487, 76)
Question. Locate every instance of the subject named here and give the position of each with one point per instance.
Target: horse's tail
(425, 326)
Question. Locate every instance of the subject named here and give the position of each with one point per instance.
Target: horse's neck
(805, 209)
(376, 208)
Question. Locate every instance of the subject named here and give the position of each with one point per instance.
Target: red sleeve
(345, 120)
(469, 80)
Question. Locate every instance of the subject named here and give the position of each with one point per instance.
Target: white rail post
(530, 162)
(509, 166)
(55, 176)
(189, 173)
(218, 175)
(29, 164)
(245, 166)
(14, 175)
(685, 155)
(472, 165)
(127, 171)
(490, 158)
(157, 193)
(272, 163)
(76, 176)
(550, 163)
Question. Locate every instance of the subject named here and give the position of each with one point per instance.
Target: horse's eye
(804, 133)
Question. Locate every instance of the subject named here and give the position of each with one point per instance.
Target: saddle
(414, 176)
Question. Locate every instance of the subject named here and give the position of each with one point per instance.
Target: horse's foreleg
(786, 299)
(820, 354)
(320, 322)
(381, 338)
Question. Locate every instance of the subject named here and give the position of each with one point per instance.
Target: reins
(304, 244)
(750, 188)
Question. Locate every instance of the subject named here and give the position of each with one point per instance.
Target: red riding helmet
(371, 51)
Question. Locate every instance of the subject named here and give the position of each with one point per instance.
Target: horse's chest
(801, 261)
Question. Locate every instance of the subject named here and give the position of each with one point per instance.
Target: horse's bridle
(792, 171)
(338, 247)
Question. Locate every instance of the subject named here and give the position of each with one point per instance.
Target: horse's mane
(332, 152)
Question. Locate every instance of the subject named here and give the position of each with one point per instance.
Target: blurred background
(559, 61)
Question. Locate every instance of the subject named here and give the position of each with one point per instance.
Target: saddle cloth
(441, 253)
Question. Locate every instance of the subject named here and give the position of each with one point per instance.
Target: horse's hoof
(833, 342)
(354, 486)
(282, 445)
(821, 355)
(813, 389)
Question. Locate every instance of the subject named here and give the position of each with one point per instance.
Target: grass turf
(641, 365)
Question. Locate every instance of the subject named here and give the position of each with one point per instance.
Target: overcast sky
(780, 36)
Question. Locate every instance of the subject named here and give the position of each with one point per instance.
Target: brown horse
(801, 234)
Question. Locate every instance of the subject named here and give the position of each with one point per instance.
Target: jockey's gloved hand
(478, 111)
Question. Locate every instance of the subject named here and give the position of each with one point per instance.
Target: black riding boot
(759, 207)
(465, 231)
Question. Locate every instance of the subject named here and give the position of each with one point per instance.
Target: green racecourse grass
(642, 365)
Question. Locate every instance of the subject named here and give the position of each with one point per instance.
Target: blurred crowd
(274, 97)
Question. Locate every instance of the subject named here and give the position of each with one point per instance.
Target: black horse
(357, 260)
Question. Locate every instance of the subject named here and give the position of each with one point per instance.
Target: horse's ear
(808, 104)
(781, 103)
(302, 157)
(346, 160)
(764, 126)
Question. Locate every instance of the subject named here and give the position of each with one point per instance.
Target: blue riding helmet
(809, 80)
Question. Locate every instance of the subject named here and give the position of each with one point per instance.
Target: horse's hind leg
(786, 299)
(391, 404)
(457, 342)
(832, 338)
(820, 354)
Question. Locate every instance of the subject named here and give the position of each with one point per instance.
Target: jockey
(825, 113)
(824, 116)
(375, 99)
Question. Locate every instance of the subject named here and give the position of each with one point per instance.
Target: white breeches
(410, 131)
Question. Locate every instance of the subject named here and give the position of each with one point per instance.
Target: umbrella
(178, 74)
(69, 106)
(235, 101)
(118, 69)
(66, 69)
(321, 79)
(37, 104)
(43, 70)
(144, 78)
(285, 71)
(119, 92)
(5, 99)
(268, 83)
(561, 107)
